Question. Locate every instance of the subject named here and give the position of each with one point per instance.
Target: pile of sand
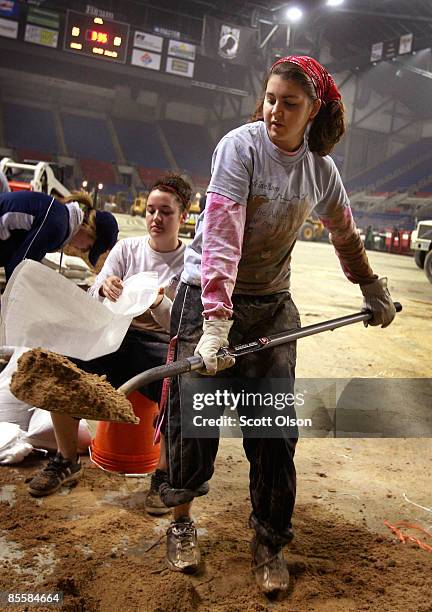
(50, 381)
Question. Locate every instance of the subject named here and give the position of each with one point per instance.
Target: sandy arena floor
(95, 543)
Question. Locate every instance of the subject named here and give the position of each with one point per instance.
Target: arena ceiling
(350, 29)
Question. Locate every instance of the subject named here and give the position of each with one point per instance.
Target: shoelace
(268, 561)
(53, 467)
(185, 532)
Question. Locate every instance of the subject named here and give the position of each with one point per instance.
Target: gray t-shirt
(280, 191)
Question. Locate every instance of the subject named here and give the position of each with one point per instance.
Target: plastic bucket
(126, 448)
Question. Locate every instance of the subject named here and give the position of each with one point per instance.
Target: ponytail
(86, 204)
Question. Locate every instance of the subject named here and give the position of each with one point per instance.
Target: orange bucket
(126, 448)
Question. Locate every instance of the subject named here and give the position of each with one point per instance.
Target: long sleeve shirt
(258, 199)
(33, 224)
(132, 255)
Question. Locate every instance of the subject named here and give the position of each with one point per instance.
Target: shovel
(100, 393)
(196, 362)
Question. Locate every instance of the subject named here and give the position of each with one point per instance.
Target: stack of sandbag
(74, 268)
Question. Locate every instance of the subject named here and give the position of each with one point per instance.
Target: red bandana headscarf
(325, 87)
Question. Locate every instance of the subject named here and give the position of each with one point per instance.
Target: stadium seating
(32, 154)
(408, 179)
(190, 145)
(150, 175)
(87, 138)
(140, 143)
(29, 128)
(376, 177)
(96, 171)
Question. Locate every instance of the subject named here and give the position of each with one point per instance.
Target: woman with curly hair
(146, 342)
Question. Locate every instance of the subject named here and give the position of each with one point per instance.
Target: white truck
(421, 244)
(33, 176)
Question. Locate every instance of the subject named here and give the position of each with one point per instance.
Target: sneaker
(183, 553)
(58, 472)
(153, 503)
(269, 566)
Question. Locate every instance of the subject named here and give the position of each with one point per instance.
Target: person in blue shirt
(33, 224)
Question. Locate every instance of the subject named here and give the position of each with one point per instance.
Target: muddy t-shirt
(280, 191)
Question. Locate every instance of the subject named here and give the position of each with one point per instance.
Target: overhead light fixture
(294, 14)
(334, 2)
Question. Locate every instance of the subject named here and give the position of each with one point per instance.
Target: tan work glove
(378, 300)
(215, 336)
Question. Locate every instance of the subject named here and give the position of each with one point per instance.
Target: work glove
(215, 336)
(378, 300)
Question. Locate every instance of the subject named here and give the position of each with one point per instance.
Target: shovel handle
(190, 364)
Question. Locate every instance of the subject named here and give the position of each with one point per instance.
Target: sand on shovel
(50, 381)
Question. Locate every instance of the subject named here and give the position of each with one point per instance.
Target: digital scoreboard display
(96, 36)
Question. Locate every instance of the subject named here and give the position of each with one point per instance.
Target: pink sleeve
(224, 222)
(348, 245)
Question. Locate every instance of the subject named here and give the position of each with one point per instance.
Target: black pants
(272, 471)
(138, 352)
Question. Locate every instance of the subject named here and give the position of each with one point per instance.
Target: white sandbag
(13, 447)
(139, 289)
(41, 308)
(40, 432)
(13, 410)
(52, 260)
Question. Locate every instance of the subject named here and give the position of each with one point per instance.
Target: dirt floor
(95, 543)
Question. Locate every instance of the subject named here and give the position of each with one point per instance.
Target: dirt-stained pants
(272, 470)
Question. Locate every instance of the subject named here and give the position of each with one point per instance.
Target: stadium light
(293, 14)
(84, 184)
(100, 186)
(334, 2)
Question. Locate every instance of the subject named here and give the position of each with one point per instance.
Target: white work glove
(378, 300)
(215, 336)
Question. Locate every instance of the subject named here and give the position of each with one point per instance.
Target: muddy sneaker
(58, 472)
(153, 503)
(183, 554)
(269, 566)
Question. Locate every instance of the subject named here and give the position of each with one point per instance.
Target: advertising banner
(146, 59)
(43, 17)
(8, 28)
(41, 36)
(180, 67)
(144, 40)
(182, 49)
(9, 8)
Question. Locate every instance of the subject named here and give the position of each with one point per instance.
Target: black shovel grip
(195, 363)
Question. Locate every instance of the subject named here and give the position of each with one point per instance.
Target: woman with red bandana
(267, 178)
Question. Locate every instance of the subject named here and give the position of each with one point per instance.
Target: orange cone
(125, 448)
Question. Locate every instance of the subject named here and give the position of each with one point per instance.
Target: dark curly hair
(175, 184)
(327, 128)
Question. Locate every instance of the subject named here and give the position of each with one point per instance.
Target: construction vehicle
(139, 205)
(34, 176)
(421, 244)
(311, 230)
(188, 227)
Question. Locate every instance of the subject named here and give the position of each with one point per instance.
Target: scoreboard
(96, 37)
